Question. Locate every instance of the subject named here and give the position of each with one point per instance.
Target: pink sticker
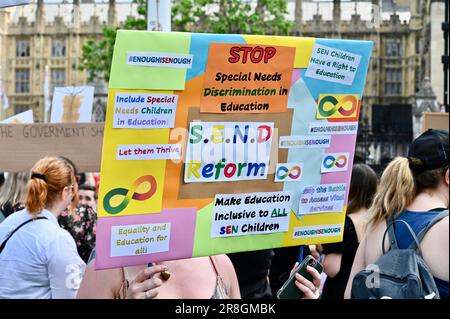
(296, 75)
(341, 143)
(130, 240)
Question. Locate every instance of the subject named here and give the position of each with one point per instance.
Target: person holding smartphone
(304, 281)
(210, 277)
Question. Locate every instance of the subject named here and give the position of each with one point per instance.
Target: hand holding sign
(145, 284)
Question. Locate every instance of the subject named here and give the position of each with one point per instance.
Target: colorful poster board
(435, 120)
(225, 143)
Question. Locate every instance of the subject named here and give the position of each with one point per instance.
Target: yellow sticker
(338, 106)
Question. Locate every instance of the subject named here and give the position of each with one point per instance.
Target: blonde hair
(14, 189)
(399, 185)
(41, 192)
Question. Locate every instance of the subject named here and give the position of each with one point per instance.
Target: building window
(22, 80)
(22, 48)
(58, 48)
(393, 82)
(21, 108)
(393, 48)
(58, 78)
(417, 79)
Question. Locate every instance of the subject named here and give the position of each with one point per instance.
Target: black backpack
(398, 273)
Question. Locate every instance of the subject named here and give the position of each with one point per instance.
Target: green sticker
(150, 60)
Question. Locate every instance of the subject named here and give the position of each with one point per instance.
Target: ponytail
(395, 192)
(36, 198)
(49, 177)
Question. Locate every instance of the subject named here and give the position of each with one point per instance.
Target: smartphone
(289, 290)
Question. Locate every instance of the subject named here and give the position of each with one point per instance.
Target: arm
(141, 287)
(359, 263)
(437, 259)
(100, 284)
(229, 275)
(332, 264)
(65, 267)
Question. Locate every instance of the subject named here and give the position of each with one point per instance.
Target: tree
(206, 16)
(97, 54)
(231, 16)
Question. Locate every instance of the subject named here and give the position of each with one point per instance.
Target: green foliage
(231, 16)
(206, 16)
(97, 53)
(274, 18)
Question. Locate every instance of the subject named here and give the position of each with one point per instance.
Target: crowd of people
(48, 226)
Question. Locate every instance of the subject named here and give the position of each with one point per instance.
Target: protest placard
(72, 104)
(24, 144)
(435, 120)
(225, 143)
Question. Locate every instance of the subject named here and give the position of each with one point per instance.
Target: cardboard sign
(234, 154)
(435, 120)
(22, 145)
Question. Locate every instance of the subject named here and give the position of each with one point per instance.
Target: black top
(334, 288)
(7, 209)
(252, 270)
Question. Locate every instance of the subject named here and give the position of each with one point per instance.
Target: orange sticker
(247, 78)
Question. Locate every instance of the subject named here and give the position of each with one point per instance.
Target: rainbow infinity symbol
(331, 161)
(129, 194)
(294, 172)
(338, 106)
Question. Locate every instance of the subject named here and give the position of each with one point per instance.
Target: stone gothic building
(399, 71)
(52, 34)
(41, 34)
